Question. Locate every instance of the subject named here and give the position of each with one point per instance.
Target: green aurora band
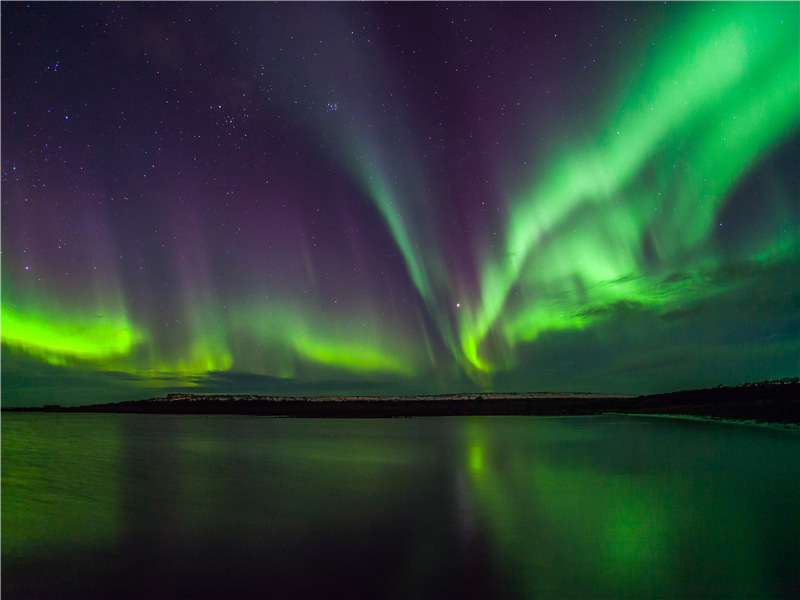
(716, 99)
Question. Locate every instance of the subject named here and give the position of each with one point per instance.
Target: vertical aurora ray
(422, 255)
(356, 110)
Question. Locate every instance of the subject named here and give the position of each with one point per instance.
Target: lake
(148, 506)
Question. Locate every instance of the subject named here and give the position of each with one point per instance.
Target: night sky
(314, 199)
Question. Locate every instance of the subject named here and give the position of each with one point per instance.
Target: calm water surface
(140, 506)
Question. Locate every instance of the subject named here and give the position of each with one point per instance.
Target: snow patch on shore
(794, 427)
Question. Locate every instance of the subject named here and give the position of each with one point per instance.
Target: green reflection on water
(578, 507)
(634, 510)
(288, 478)
(59, 481)
(93, 480)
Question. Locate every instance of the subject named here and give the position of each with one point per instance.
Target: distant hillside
(768, 401)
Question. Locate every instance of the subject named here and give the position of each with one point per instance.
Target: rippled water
(139, 506)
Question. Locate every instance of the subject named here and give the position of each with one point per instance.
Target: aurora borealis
(402, 198)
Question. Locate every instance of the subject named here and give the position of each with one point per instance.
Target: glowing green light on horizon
(62, 341)
(353, 356)
(349, 343)
(115, 344)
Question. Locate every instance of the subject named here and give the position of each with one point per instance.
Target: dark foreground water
(138, 506)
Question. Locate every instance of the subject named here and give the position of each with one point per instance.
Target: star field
(336, 198)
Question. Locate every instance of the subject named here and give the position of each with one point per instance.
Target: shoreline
(778, 426)
(765, 403)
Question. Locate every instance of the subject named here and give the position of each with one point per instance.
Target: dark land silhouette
(770, 401)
